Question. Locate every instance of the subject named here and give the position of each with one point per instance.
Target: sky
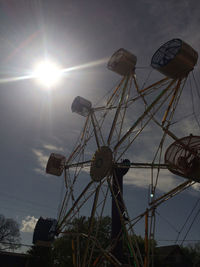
(36, 122)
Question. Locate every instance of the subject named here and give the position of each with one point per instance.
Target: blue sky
(35, 122)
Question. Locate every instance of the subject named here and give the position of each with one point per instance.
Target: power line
(27, 211)
(167, 221)
(191, 225)
(173, 240)
(187, 219)
(23, 200)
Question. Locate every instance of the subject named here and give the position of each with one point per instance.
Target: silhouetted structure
(11, 259)
(170, 256)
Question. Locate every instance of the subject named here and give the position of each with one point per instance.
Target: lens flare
(47, 73)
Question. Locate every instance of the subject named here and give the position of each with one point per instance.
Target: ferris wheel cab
(81, 106)
(44, 232)
(122, 62)
(183, 157)
(175, 59)
(55, 164)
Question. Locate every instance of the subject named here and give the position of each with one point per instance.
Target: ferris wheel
(103, 155)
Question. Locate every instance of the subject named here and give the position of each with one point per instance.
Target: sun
(47, 73)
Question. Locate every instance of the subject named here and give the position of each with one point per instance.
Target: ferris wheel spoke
(123, 95)
(154, 85)
(149, 108)
(124, 110)
(171, 193)
(168, 113)
(62, 206)
(84, 137)
(95, 132)
(61, 224)
(91, 225)
(97, 129)
(176, 90)
(134, 134)
(148, 90)
(79, 164)
(68, 194)
(82, 200)
(115, 92)
(98, 217)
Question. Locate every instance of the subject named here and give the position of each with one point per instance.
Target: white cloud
(28, 224)
(40, 171)
(142, 178)
(52, 147)
(166, 181)
(41, 157)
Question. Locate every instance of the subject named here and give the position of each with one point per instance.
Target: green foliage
(181, 256)
(62, 248)
(76, 234)
(139, 240)
(192, 254)
(74, 240)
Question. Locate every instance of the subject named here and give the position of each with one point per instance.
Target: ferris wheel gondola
(175, 59)
(183, 157)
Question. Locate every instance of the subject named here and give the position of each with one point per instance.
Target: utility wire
(173, 240)
(24, 210)
(107, 93)
(187, 219)
(167, 221)
(9, 196)
(190, 226)
(196, 85)
(146, 80)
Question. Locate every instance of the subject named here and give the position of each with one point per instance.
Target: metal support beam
(118, 210)
(116, 233)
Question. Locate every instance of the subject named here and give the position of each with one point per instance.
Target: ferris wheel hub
(101, 163)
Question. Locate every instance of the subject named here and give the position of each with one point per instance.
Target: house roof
(165, 251)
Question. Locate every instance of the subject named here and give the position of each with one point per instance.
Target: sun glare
(48, 74)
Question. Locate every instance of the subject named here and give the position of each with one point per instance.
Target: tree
(63, 246)
(9, 233)
(68, 249)
(192, 254)
(61, 253)
(41, 256)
